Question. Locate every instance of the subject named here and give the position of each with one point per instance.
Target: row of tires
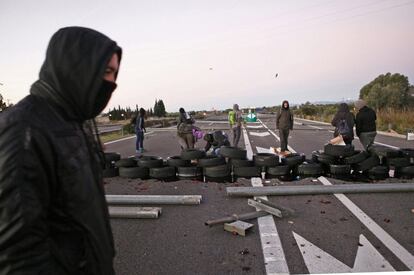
(334, 161)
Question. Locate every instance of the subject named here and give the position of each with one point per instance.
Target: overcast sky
(210, 54)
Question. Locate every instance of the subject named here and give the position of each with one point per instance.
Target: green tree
(161, 108)
(387, 91)
(3, 105)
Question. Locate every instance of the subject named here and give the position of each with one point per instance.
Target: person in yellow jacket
(235, 120)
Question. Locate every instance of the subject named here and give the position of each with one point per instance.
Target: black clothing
(284, 119)
(216, 139)
(284, 135)
(365, 120)
(344, 114)
(53, 213)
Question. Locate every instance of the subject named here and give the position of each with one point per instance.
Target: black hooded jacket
(284, 119)
(53, 214)
(343, 113)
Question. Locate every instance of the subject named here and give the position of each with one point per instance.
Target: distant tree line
(159, 108)
(130, 114)
(3, 105)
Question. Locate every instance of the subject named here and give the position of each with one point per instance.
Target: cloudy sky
(213, 53)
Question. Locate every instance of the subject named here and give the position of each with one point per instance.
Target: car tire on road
(340, 169)
(110, 172)
(378, 173)
(266, 160)
(367, 164)
(163, 173)
(384, 151)
(310, 169)
(293, 160)
(211, 161)
(150, 162)
(281, 170)
(192, 154)
(397, 162)
(326, 159)
(339, 150)
(233, 152)
(247, 172)
(405, 172)
(134, 172)
(112, 156)
(241, 163)
(221, 171)
(357, 158)
(190, 172)
(128, 162)
(177, 161)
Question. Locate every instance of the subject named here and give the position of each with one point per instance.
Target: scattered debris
(244, 251)
(387, 220)
(325, 201)
(322, 212)
(264, 206)
(246, 268)
(360, 244)
(238, 227)
(235, 217)
(291, 222)
(343, 219)
(134, 212)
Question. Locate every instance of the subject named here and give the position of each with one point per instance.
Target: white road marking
(118, 140)
(274, 257)
(255, 126)
(380, 233)
(259, 134)
(367, 259)
(276, 136)
(262, 150)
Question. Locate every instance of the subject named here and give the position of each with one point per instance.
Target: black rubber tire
(310, 169)
(211, 161)
(339, 150)
(397, 162)
(163, 173)
(247, 172)
(378, 173)
(266, 160)
(315, 155)
(191, 154)
(112, 156)
(190, 172)
(340, 169)
(134, 172)
(384, 151)
(221, 171)
(150, 162)
(233, 152)
(241, 163)
(409, 152)
(357, 158)
(281, 170)
(405, 172)
(367, 164)
(110, 172)
(129, 162)
(326, 159)
(177, 161)
(293, 160)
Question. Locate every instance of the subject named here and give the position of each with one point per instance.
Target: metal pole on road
(319, 189)
(153, 199)
(134, 212)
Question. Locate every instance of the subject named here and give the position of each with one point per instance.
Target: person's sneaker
(141, 150)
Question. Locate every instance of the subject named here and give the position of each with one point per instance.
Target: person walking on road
(185, 130)
(216, 139)
(366, 128)
(53, 213)
(235, 120)
(343, 122)
(139, 130)
(284, 123)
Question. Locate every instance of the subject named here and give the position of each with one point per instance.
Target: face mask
(103, 97)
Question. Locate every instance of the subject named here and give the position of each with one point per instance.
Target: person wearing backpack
(185, 130)
(343, 122)
(366, 128)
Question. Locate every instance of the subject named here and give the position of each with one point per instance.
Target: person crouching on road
(185, 130)
(216, 139)
(235, 120)
(284, 123)
(343, 122)
(366, 128)
(139, 130)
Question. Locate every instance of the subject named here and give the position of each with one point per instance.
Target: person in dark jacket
(185, 130)
(139, 130)
(216, 139)
(53, 214)
(366, 128)
(284, 122)
(343, 122)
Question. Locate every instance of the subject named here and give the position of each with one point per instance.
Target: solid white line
(118, 140)
(274, 257)
(276, 136)
(380, 233)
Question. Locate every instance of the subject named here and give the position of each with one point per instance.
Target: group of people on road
(364, 122)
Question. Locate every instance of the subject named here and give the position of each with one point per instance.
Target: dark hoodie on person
(284, 119)
(343, 113)
(53, 214)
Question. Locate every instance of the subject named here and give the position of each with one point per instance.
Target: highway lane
(179, 243)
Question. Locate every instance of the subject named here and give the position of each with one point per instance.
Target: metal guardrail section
(153, 199)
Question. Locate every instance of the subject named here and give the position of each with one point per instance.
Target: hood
(343, 108)
(235, 107)
(359, 104)
(283, 103)
(72, 73)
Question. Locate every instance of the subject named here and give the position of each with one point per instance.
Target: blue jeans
(140, 140)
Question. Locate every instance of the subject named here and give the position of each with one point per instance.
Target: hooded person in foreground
(284, 123)
(53, 214)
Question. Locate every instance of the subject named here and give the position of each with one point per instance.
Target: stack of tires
(239, 165)
(336, 160)
(399, 160)
(110, 169)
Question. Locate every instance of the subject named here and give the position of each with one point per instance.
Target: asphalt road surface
(327, 234)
